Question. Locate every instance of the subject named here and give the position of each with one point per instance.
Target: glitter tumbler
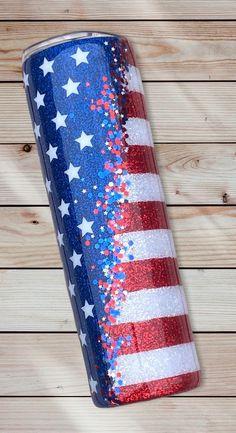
(95, 145)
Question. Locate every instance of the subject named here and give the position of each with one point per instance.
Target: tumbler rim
(66, 37)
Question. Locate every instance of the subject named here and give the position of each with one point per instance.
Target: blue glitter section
(81, 193)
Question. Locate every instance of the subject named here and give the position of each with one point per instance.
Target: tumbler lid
(55, 40)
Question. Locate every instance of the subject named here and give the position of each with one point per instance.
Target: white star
(86, 226)
(60, 238)
(59, 120)
(72, 172)
(93, 385)
(84, 140)
(82, 337)
(76, 259)
(46, 66)
(71, 289)
(71, 87)
(48, 185)
(88, 309)
(63, 208)
(26, 79)
(37, 131)
(80, 56)
(105, 43)
(39, 99)
(52, 152)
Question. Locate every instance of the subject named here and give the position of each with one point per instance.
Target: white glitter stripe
(157, 364)
(149, 304)
(139, 132)
(146, 244)
(134, 80)
(143, 187)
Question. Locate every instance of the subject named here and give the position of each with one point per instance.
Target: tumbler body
(95, 145)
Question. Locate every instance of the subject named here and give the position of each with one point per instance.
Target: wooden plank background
(169, 50)
(124, 9)
(192, 173)
(73, 415)
(204, 236)
(186, 50)
(205, 289)
(179, 112)
(51, 364)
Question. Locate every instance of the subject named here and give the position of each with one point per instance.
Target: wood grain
(191, 174)
(179, 112)
(73, 415)
(164, 50)
(204, 236)
(52, 364)
(37, 300)
(84, 9)
(193, 123)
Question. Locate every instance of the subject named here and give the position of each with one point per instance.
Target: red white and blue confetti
(86, 101)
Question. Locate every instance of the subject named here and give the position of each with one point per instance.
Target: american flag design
(86, 100)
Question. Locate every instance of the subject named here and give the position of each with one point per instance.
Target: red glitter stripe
(159, 388)
(133, 105)
(150, 273)
(140, 159)
(146, 215)
(151, 334)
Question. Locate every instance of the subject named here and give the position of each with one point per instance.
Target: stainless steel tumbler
(86, 101)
